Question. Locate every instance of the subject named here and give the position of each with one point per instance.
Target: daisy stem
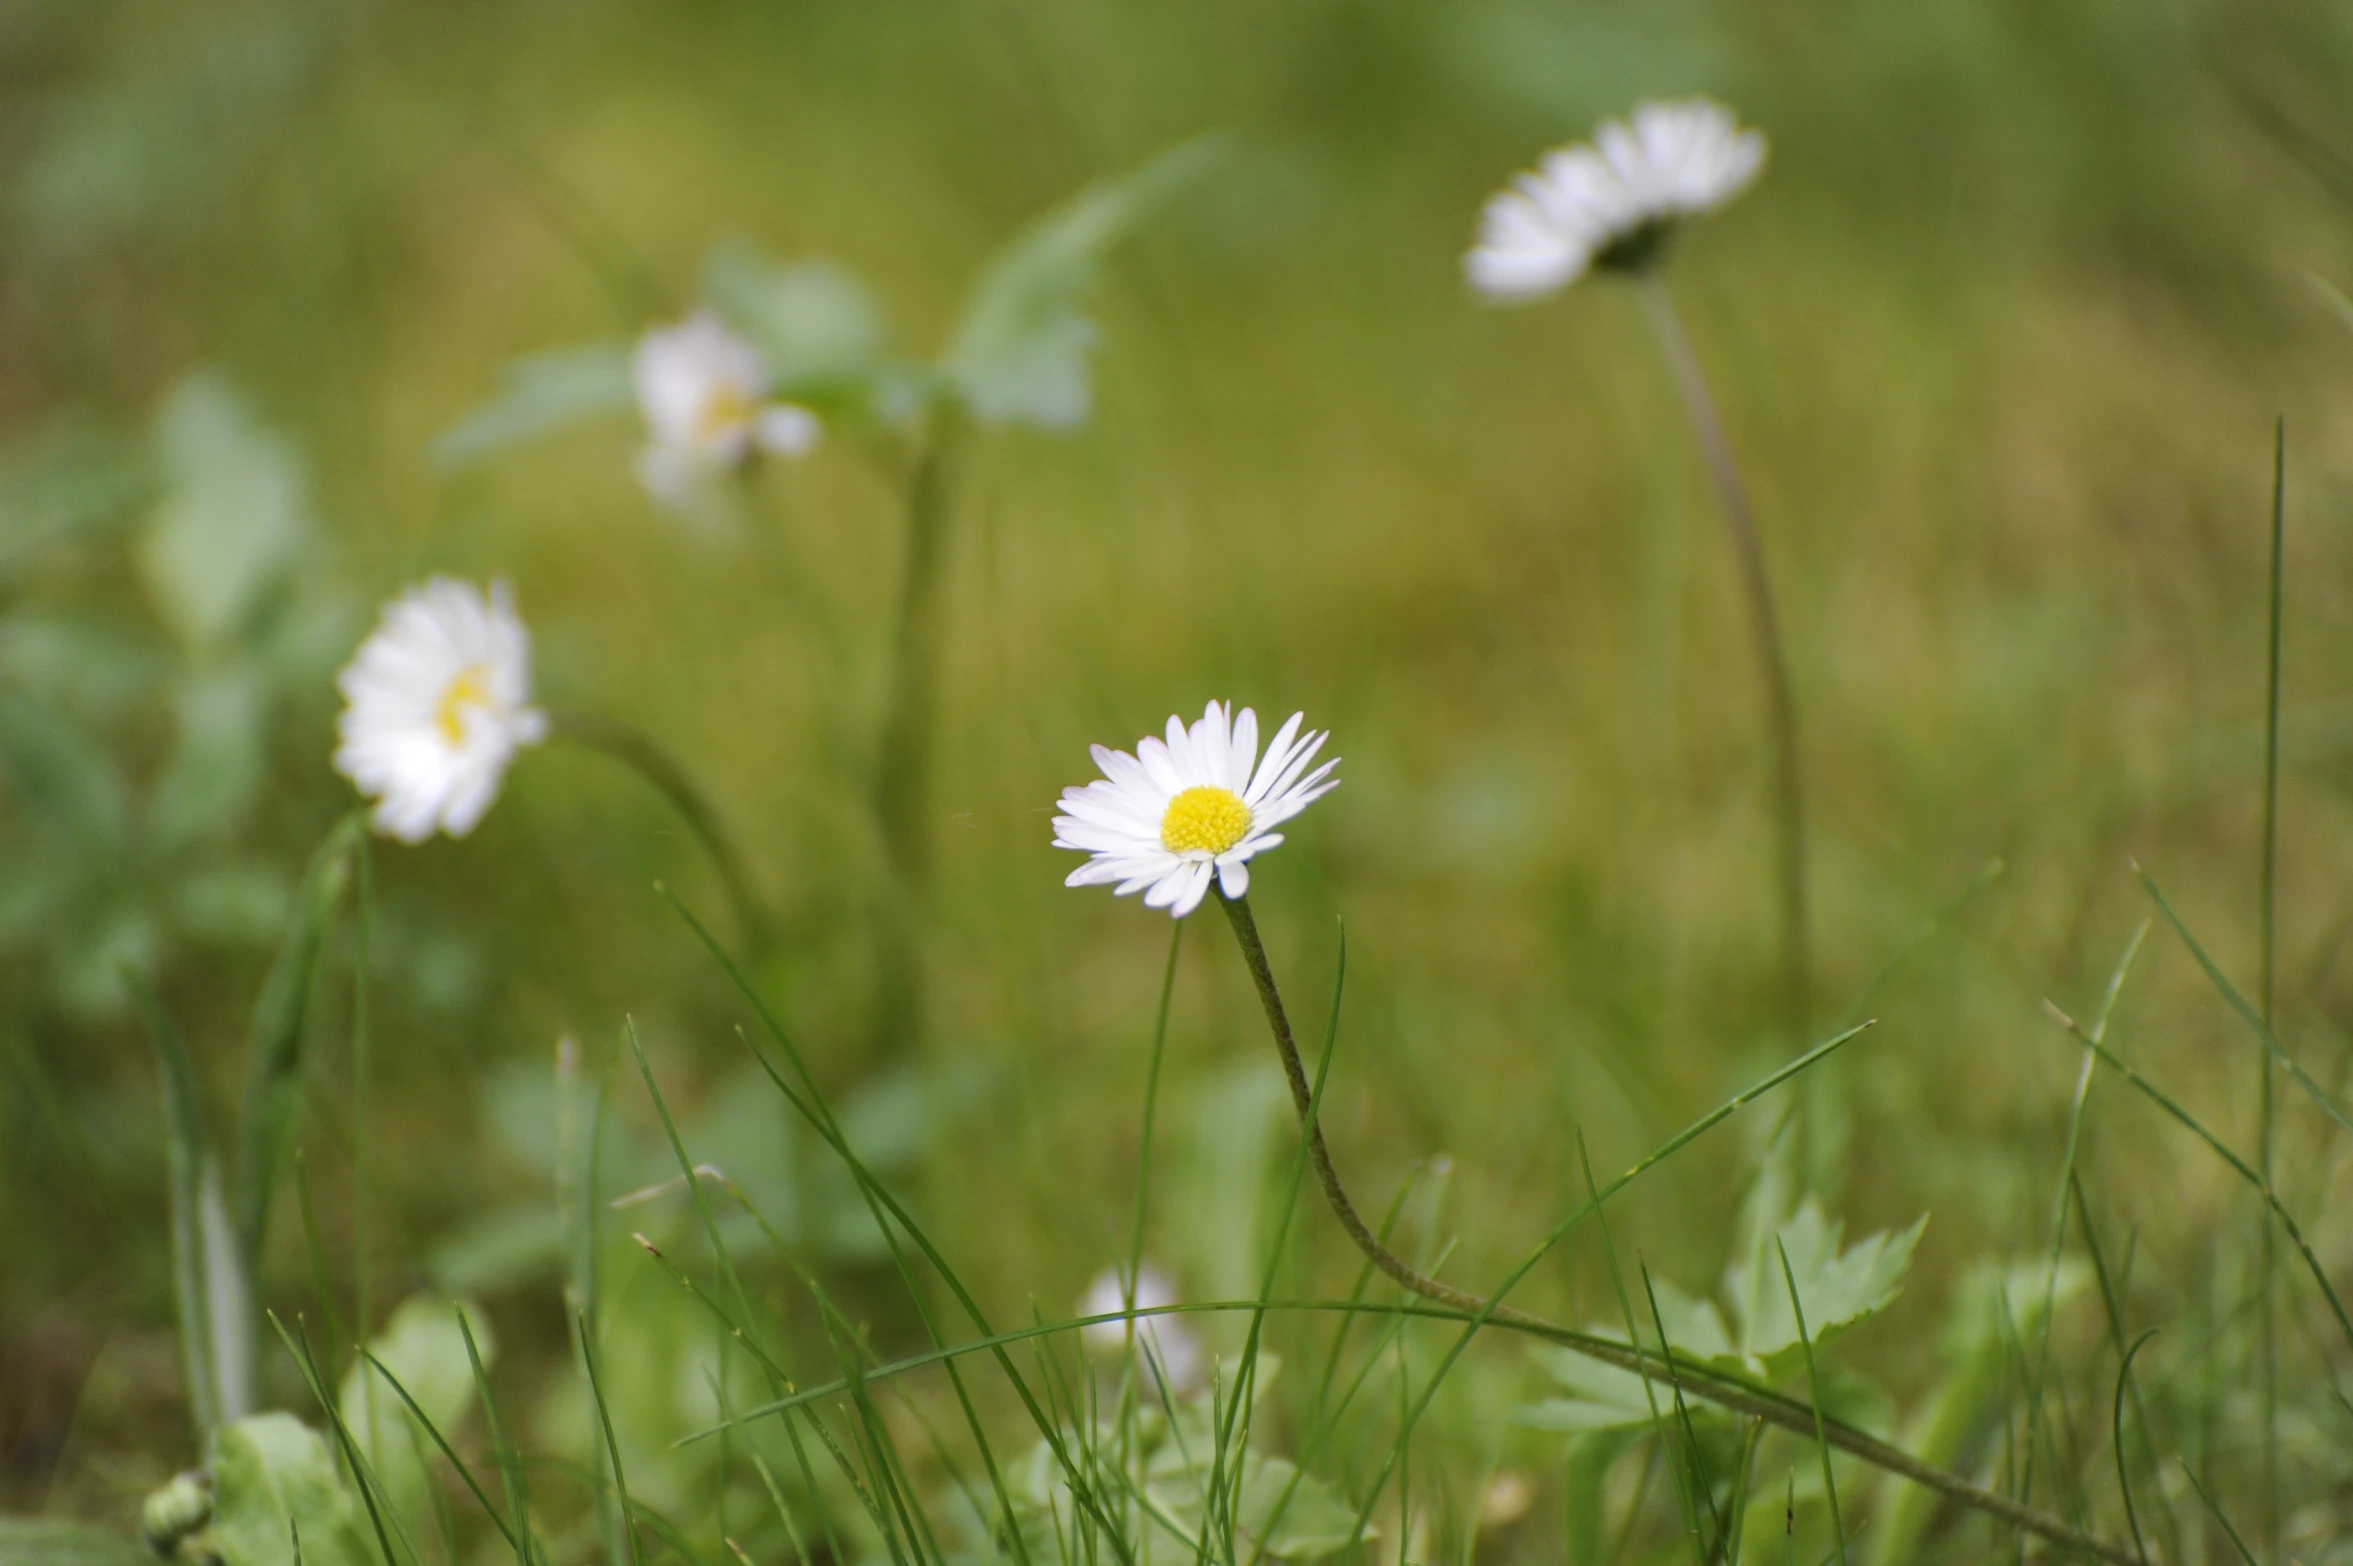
(902, 759)
(1748, 553)
(1787, 1413)
(645, 756)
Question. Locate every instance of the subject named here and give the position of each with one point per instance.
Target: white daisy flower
(704, 393)
(437, 703)
(1610, 203)
(1167, 818)
(1165, 1346)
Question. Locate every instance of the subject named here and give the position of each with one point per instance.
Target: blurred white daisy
(437, 702)
(1612, 202)
(1165, 1347)
(1166, 819)
(704, 393)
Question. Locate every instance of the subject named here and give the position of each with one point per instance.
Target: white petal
(1233, 876)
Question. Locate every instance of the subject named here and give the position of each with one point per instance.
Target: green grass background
(2000, 337)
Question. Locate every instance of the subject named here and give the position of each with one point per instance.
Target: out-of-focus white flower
(1610, 202)
(437, 702)
(704, 393)
(1166, 1349)
(1166, 819)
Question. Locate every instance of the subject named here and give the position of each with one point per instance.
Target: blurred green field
(2001, 336)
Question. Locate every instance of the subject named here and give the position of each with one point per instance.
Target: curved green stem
(651, 761)
(1756, 580)
(1789, 1414)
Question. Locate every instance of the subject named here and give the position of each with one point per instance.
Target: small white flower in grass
(1165, 1346)
(437, 702)
(704, 393)
(1610, 203)
(1167, 819)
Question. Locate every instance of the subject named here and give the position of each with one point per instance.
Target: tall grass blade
(206, 1287)
(2132, 1516)
(604, 1419)
(273, 1081)
(1814, 1392)
(2237, 1543)
(2267, 1302)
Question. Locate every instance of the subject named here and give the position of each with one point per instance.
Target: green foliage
(279, 1499)
(38, 1541)
(234, 519)
(1020, 349)
(544, 392)
(421, 1352)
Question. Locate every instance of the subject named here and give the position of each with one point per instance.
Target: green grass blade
(604, 1419)
(1685, 1506)
(2230, 1532)
(2267, 1301)
(2238, 1003)
(188, 1154)
(434, 1432)
(2287, 1222)
(510, 1465)
(372, 1493)
(1814, 1392)
(2132, 1516)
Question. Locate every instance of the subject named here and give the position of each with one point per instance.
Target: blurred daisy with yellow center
(1190, 808)
(704, 393)
(1611, 203)
(437, 703)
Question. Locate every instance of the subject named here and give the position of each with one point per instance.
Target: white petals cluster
(1583, 203)
(704, 393)
(1178, 812)
(437, 703)
(1166, 1349)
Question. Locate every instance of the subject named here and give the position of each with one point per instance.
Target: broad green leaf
(1840, 1288)
(235, 512)
(215, 770)
(425, 1352)
(1019, 352)
(41, 1541)
(812, 320)
(543, 393)
(273, 1480)
(497, 1250)
(1314, 1522)
(1599, 1397)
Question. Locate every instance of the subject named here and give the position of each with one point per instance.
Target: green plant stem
(902, 752)
(1786, 1413)
(1756, 579)
(2267, 1518)
(645, 756)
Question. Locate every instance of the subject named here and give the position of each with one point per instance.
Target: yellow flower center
(725, 410)
(469, 692)
(1204, 817)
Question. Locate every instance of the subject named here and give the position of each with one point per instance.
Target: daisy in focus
(1179, 812)
(437, 703)
(1165, 1347)
(704, 393)
(1612, 202)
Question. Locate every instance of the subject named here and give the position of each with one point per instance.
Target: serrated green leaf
(1019, 352)
(234, 516)
(1314, 1521)
(40, 1541)
(1600, 1397)
(542, 393)
(273, 1479)
(424, 1350)
(1840, 1288)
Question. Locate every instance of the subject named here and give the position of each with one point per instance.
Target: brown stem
(1756, 1403)
(1756, 579)
(644, 755)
